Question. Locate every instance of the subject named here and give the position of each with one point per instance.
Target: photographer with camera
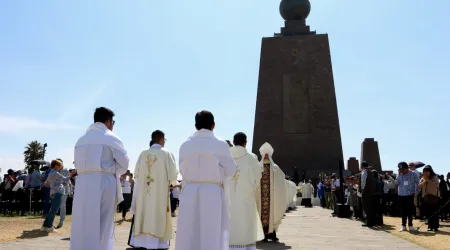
(126, 181)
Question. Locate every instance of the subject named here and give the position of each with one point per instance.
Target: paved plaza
(305, 228)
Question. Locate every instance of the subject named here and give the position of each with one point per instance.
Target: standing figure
(368, 188)
(430, 194)
(407, 184)
(55, 183)
(272, 194)
(307, 194)
(126, 181)
(207, 166)
(245, 225)
(100, 159)
(175, 199)
(155, 171)
(321, 194)
(63, 205)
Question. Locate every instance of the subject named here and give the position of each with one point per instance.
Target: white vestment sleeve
(122, 161)
(172, 171)
(256, 169)
(226, 160)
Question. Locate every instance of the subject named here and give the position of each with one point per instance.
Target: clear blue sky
(156, 63)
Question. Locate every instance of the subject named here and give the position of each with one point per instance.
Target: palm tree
(33, 151)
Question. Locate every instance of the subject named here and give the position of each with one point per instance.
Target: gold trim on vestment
(242, 246)
(165, 226)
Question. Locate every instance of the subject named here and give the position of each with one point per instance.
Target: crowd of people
(409, 194)
(228, 199)
(24, 194)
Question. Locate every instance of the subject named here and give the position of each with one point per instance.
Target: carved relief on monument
(296, 104)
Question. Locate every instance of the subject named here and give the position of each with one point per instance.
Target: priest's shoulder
(254, 155)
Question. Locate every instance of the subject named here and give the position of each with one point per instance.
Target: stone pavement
(306, 228)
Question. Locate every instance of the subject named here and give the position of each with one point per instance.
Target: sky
(156, 63)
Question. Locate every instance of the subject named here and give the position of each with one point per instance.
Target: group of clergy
(229, 199)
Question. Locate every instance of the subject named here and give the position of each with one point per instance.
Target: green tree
(33, 151)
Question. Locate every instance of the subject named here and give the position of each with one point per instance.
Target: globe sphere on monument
(292, 10)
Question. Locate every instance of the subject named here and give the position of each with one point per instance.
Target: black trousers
(173, 204)
(125, 205)
(336, 199)
(369, 209)
(429, 210)
(407, 208)
(360, 213)
(378, 210)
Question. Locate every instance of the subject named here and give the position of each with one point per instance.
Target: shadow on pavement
(37, 233)
(272, 246)
(66, 239)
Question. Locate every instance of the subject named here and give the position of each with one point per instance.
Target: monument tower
(296, 110)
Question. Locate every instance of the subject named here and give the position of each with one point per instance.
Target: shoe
(51, 230)
(44, 229)
(60, 225)
(124, 219)
(412, 229)
(402, 229)
(174, 215)
(273, 237)
(430, 230)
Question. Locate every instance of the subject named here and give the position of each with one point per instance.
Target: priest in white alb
(271, 196)
(207, 166)
(245, 225)
(100, 160)
(155, 171)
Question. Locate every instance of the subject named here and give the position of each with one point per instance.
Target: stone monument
(296, 110)
(371, 154)
(353, 165)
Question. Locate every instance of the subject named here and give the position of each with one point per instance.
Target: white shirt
(388, 185)
(126, 187)
(336, 183)
(176, 192)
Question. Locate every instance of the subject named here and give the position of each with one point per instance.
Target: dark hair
(157, 135)
(239, 139)
(428, 168)
(103, 114)
(204, 120)
(364, 164)
(402, 165)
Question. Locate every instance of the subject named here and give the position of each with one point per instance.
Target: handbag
(430, 198)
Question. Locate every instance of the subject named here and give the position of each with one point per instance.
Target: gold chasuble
(155, 172)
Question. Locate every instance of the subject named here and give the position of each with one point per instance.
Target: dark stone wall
(353, 165)
(296, 110)
(371, 154)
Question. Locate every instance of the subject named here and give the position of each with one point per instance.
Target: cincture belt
(206, 183)
(96, 172)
